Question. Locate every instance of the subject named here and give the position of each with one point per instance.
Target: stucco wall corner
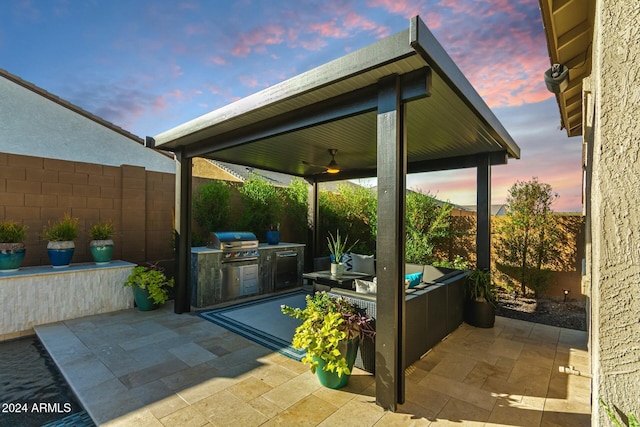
(615, 195)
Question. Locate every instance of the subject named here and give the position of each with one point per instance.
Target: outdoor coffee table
(325, 278)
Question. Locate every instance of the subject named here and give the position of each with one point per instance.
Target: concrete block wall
(35, 190)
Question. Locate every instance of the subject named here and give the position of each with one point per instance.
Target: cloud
(249, 81)
(406, 8)
(498, 44)
(258, 38)
(218, 60)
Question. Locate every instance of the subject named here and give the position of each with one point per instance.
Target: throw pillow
(347, 261)
(363, 264)
(366, 287)
(413, 279)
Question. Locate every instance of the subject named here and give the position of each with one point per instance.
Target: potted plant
(330, 332)
(481, 296)
(273, 234)
(60, 235)
(12, 248)
(101, 244)
(337, 248)
(150, 286)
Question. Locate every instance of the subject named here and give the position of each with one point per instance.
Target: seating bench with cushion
(433, 309)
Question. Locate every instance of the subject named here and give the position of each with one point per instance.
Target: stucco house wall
(34, 122)
(612, 115)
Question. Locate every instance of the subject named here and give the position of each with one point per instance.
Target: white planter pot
(337, 269)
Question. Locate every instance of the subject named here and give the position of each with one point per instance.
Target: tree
(211, 206)
(263, 205)
(427, 225)
(528, 235)
(353, 212)
(296, 204)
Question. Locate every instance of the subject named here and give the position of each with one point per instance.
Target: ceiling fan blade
(332, 167)
(324, 168)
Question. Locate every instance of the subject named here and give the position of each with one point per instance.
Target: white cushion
(363, 264)
(366, 287)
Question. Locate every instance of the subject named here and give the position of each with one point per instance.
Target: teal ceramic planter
(11, 256)
(348, 349)
(101, 251)
(60, 253)
(141, 297)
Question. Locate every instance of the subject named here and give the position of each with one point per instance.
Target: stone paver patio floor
(133, 368)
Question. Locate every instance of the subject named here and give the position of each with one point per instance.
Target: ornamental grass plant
(63, 230)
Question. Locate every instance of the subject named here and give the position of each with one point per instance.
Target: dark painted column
(315, 244)
(483, 235)
(183, 234)
(390, 246)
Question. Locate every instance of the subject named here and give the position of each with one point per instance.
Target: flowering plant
(326, 322)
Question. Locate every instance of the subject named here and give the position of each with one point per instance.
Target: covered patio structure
(398, 106)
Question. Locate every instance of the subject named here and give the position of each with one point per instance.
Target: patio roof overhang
(398, 106)
(568, 26)
(291, 125)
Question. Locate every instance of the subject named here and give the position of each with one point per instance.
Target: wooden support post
(390, 246)
(483, 235)
(182, 229)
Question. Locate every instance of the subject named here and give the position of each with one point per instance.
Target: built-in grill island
(235, 265)
(239, 264)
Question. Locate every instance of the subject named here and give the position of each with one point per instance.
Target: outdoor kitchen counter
(206, 271)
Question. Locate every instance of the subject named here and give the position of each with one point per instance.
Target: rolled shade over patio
(291, 126)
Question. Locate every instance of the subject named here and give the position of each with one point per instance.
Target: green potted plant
(150, 286)
(101, 244)
(481, 297)
(337, 248)
(330, 332)
(12, 248)
(60, 235)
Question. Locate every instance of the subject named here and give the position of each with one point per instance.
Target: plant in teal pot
(101, 244)
(330, 333)
(12, 249)
(60, 235)
(150, 286)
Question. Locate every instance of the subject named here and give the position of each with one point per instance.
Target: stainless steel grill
(235, 245)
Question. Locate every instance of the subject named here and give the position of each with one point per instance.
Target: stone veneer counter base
(39, 295)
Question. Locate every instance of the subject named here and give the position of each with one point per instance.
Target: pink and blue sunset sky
(149, 65)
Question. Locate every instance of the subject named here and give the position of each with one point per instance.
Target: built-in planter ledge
(39, 295)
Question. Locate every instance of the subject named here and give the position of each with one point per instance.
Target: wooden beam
(390, 244)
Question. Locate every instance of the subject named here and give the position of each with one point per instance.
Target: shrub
(102, 231)
(12, 232)
(153, 279)
(211, 207)
(263, 205)
(63, 230)
(427, 225)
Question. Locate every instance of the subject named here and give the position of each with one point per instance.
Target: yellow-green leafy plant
(326, 322)
(152, 279)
